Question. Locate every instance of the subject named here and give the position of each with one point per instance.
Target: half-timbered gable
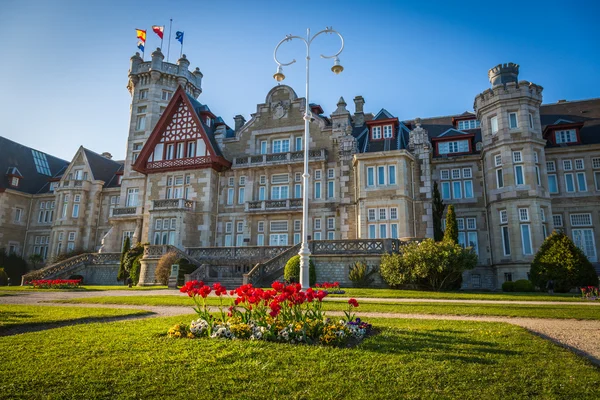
(182, 139)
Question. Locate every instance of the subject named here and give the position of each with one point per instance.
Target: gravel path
(582, 337)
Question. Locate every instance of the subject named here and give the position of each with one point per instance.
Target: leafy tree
(131, 262)
(163, 268)
(438, 213)
(3, 277)
(185, 267)
(559, 260)
(291, 272)
(433, 265)
(451, 232)
(36, 259)
(122, 274)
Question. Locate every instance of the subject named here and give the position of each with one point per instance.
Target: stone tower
(518, 201)
(151, 85)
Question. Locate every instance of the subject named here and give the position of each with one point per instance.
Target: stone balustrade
(174, 204)
(125, 211)
(273, 205)
(63, 267)
(278, 158)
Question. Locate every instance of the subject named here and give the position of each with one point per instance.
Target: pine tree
(438, 213)
(451, 232)
(122, 273)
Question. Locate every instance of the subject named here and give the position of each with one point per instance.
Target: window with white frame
(370, 176)
(526, 239)
(260, 239)
(330, 189)
(565, 136)
(503, 217)
(596, 162)
(381, 175)
(467, 235)
(278, 226)
(391, 174)
(513, 122)
(569, 183)
(143, 94)
(298, 143)
(298, 177)
(387, 132)
(468, 124)
(280, 145)
(519, 173)
(530, 121)
(298, 190)
(584, 219)
(263, 147)
(317, 190)
(445, 174)
(132, 197)
(584, 239)
(330, 223)
(75, 213)
(382, 213)
(494, 124)
(297, 225)
(278, 239)
(330, 235)
(242, 180)
(459, 146)
(330, 173)
(230, 196)
(376, 132)
(393, 213)
(241, 195)
(371, 214)
(579, 165)
(279, 192)
(550, 166)
(261, 226)
(231, 181)
(317, 235)
(228, 240)
(228, 227)
(297, 238)
(557, 220)
(18, 214)
(166, 95)
(71, 237)
(581, 182)
(140, 121)
(240, 226)
(524, 214)
(317, 224)
(552, 183)
(458, 188)
(164, 231)
(567, 165)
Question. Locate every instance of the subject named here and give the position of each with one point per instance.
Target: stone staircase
(70, 266)
(272, 270)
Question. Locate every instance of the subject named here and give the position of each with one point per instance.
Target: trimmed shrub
(508, 286)
(163, 268)
(361, 274)
(185, 267)
(523, 286)
(129, 260)
(451, 232)
(438, 207)
(14, 266)
(559, 260)
(134, 273)
(3, 277)
(433, 265)
(291, 272)
(122, 274)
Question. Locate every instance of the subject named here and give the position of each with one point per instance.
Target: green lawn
(20, 316)
(83, 288)
(407, 359)
(417, 294)
(509, 310)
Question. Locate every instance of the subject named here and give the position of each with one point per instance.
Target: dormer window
(387, 132)
(376, 132)
(459, 146)
(468, 124)
(566, 136)
(208, 121)
(14, 181)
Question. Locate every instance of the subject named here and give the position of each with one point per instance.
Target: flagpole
(181, 52)
(161, 40)
(169, 45)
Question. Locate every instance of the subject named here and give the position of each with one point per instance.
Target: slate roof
(103, 169)
(586, 111)
(210, 130)
(16, 155)
(366, 145)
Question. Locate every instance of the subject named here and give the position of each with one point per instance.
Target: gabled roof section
(453, 132)
(583, 113)
(15, 155)
(383, 114)
(181, 122)
(102, 168)
(562, 121)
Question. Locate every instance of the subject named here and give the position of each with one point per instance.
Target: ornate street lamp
(304, 252)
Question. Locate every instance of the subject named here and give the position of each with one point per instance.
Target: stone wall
(98, 274)
(335, 268)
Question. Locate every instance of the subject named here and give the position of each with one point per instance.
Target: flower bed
(590, 293)
(330, 287)
(55, 283)
(284, 313)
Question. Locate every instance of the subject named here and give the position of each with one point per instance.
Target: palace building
(514, 168)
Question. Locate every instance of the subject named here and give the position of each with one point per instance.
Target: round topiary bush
(508, 286)
(524, 285)
(291, 272)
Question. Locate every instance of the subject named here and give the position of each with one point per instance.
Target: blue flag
(141, 46)
(179, 36)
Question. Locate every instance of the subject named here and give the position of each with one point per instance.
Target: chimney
(107, 155)
(504, 73)
(359, 115)
(239, 122)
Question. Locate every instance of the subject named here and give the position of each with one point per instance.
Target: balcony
(262, 160)
(125, 212)
(274, 205)
(173, 204)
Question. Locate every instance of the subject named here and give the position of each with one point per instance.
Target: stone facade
(191, 181)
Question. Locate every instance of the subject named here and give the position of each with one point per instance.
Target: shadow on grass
(439, 345)
(16, 329)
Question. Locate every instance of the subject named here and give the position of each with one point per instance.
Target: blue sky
(65, 62)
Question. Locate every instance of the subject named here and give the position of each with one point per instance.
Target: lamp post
(304, 252)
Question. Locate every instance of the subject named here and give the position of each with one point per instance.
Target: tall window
(494, 124)
(376, 132)
(241, 195)
(164, 230)
(140, 122)
(519, 174)
(370, 176)
(298, 143)
(132, 197)
(18, 214)
(263, 147)
(512, 120)
(230, 195)
(392, 174)
(317, 190)
(461, 179)
(387, 132)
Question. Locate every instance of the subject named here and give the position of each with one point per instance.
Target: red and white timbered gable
(179, 141)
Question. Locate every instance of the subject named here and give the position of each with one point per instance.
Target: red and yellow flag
(141, 34)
